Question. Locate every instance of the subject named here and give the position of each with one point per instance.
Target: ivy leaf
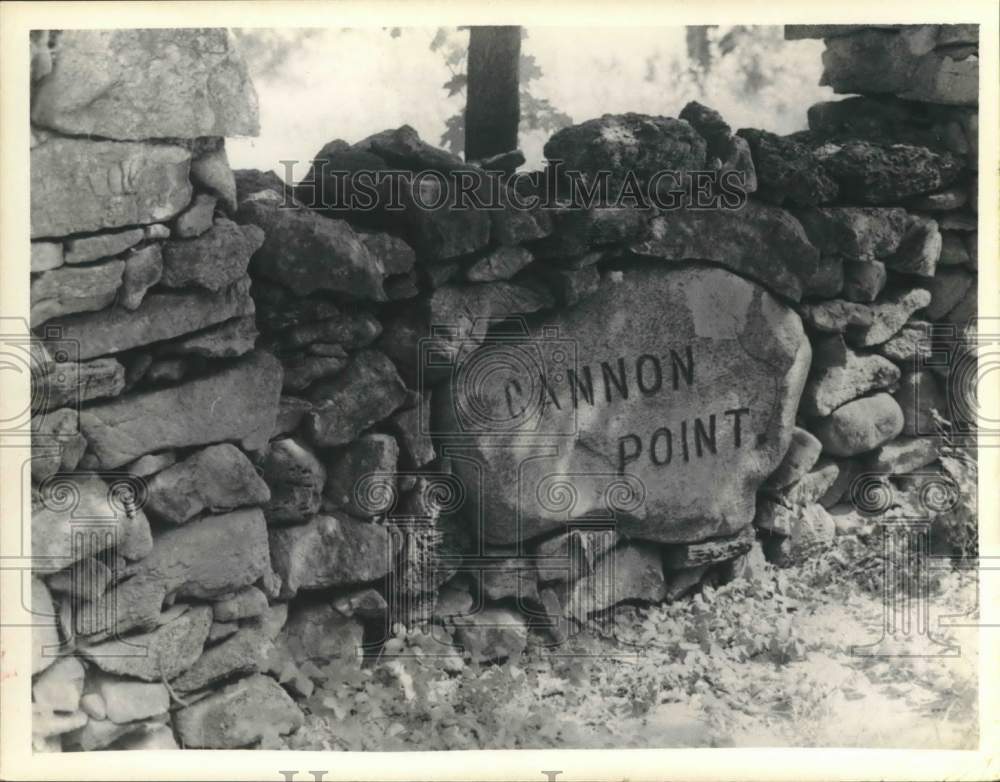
(456, 84)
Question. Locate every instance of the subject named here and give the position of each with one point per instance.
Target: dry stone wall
(268, 429)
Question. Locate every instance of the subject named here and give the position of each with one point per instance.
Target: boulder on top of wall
(307, 252)
(219, 477)
(761, 242)
(725, 152)
(147, 83)
(331, 550)
(214, 259)
(874, 174)
(79, 185)
(904, 64)
(855, 233)
(635, 145)
(367, 391)
(860, 425)
(238, 403)
(159, 317)
(638, 412)
(788, 170)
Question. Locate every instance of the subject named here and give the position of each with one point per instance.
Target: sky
(349, 83)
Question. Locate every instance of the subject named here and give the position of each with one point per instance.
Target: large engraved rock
(666, 399)
(147, 83)
(239, 403)
(79, 185)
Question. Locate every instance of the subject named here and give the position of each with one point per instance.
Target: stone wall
(266, 434)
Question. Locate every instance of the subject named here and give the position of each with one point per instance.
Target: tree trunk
(493, 107)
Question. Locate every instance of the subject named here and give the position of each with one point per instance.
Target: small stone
(220, 630)
(367, 391)
(291, 411)
(93, 704)
(241, 653)
(395, 255)
(60, 686)
(681, 582)
(301, 371)
(708, 552)
(230, 339)
(372, 454)
(366, 603)
(216, 478)
(492, 634)
(910, 345)
(803, 451)
(499, 264)
(953, 251)
(127, 701)
(919, 395)
(904, 455)
(947, 289)
(331, 551)
(412, 429)
(811, 486)
(830, 385)
(100, 734)
(889, 315)
(56, 443)
(920, 249)
(66, 384)
(860, 425)
(238, 715)
(211, 172)
(197, 218)
(106, 245)
(248, 602)
(828, 279)
(944, 200)
(46, 256)
(66, 290)
(399, 287)
(836, 316)
(863, 282)
(860, 234)
(214, 260)
(633, 571)
(296, 478)
(143, 269)
(317, 632)
(162, 654)
(156, 232)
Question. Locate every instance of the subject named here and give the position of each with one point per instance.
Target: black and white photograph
(525, 386)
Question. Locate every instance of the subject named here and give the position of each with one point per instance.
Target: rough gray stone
(214, 260)
(761, 242)
(331, 551)
(143, 269)
(832, 384)
(889, 315)
(161, 316)
(296, 478)
(369, 454)
(216, 478)
(70, 289)
(78, 185)
(147, 83)
(860, 426)
(803, 451)
(91, 248)
(678, 362)
(238, 715)
(197, 218)
(364, 393)
(188, 414)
